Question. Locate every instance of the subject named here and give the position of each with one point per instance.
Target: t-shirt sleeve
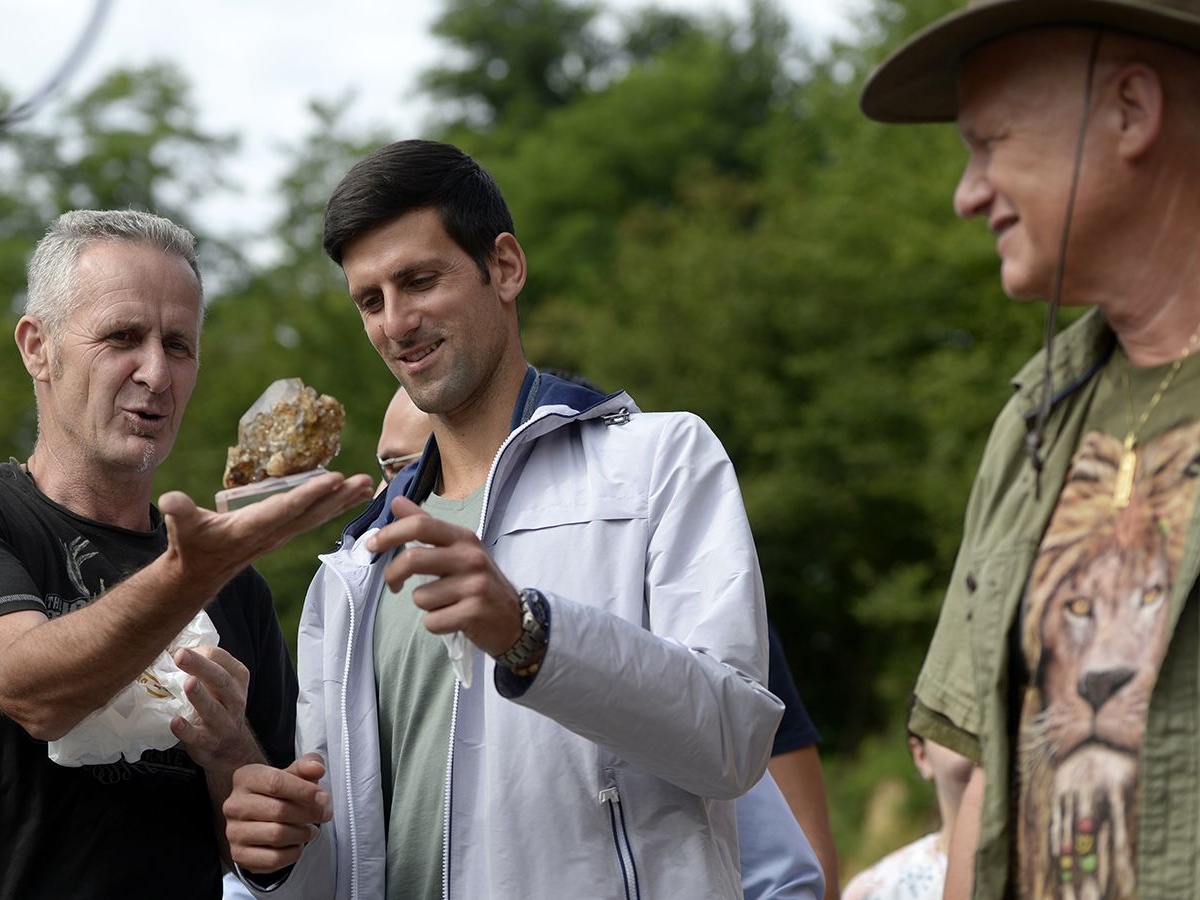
(18, 590)
(796, 730)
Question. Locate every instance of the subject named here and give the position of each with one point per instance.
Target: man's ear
(34, 344)
(1138, 99)
(508, 267)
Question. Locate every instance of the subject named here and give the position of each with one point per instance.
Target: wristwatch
(525, 656)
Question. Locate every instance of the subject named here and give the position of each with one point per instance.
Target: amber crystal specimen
(289, 429)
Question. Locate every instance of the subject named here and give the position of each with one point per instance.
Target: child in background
(918, 870)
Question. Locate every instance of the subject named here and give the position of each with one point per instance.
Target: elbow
(44, 731)
(37, 719)
(745, 751)
(743, 781)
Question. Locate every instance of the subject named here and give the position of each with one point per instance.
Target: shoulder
(916, 871)
(1080, 350)
(27, 518)
(681, 431)
(15, 488)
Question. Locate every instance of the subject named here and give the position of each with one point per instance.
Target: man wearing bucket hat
(1066, 657)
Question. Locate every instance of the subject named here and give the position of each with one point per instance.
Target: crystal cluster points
(289, 429)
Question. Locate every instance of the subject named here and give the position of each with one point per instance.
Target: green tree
(630, 145)
(290, 317)
(131, 140)
(710, 223)
(519, 58)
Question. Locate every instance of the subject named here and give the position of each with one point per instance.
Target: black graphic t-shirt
(122, 830)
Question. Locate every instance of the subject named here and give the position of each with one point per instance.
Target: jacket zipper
(616, 818)
(346, 738)
(487, 489)
(622, 417)
(446, 802)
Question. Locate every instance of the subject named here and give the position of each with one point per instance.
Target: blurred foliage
(711, 224)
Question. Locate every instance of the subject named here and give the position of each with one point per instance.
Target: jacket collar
(538, 391)
(1083, 349)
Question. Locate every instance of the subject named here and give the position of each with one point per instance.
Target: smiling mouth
(413, 358)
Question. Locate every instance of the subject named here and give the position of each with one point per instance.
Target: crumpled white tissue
(139, 717)
(458, 648)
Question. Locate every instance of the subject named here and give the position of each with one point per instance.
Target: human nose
(400, 317)
(154, 370)
(973, 194)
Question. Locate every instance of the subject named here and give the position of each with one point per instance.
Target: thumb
(310, 767)
(179, 512)
(176, 503)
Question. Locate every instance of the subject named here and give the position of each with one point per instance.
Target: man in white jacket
(536, 666)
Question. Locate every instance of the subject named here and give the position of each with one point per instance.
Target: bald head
(1025, 102)
(403, 433)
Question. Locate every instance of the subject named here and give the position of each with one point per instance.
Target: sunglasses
(390, 465)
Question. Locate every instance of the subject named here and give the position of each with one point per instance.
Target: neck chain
(1123, 489)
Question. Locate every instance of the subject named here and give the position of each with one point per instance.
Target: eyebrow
(144, 325)
(175, 333)
(398, 275)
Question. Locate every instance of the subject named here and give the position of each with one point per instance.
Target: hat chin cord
(1036, 438)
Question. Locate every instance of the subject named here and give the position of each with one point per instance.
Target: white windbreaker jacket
(612, 772)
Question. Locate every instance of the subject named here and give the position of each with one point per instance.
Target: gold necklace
(1127, 469)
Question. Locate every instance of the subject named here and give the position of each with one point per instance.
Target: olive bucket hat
(918, 82)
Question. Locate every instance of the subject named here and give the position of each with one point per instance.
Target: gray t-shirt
(415, 684)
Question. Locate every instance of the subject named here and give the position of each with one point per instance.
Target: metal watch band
(535, 631)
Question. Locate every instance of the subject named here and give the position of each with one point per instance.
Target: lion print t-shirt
(1094, 631)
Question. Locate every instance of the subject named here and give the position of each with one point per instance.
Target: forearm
(670, 710)
(219, 780)
(799, 776)
(960, 867)
(54, 672)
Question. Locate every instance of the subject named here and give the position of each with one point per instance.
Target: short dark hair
(407, 176)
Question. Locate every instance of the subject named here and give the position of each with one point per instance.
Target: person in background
(402, 436)
(917, 871)
(596, 559)
(1066, 655)
(795, 765)
(95, 581)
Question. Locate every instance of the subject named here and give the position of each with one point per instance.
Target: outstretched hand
(212, 546)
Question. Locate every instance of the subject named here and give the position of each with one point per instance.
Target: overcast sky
(255, 64)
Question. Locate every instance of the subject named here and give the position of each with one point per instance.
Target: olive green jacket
(964, 692)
